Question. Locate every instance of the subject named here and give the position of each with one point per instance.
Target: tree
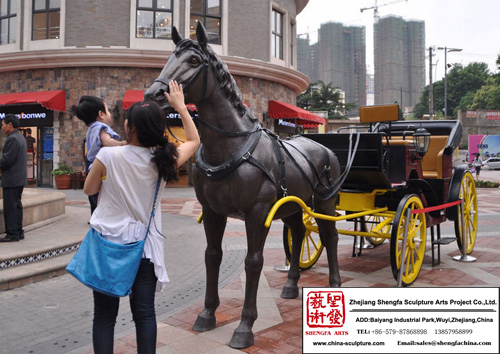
(462, 82)
(488, 96)
(322, 97)
(422, 107)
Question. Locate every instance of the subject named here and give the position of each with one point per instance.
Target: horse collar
(241, 155)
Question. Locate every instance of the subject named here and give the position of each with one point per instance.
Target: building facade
(105, 48)
(339, 58)
(399, 60)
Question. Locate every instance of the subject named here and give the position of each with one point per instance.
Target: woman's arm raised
(176, 100)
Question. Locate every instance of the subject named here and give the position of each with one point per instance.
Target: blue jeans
(143, 313)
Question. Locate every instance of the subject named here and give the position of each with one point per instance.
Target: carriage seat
(432, 163)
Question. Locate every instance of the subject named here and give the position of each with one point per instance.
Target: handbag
(108, 267)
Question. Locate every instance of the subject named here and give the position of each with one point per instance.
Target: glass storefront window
(46, 19)
(144, 24)
(277, 34)
(209, 12)
(154, 19)
(8, 21)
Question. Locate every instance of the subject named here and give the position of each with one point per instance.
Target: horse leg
(214, 225)
(330, 238)
(297, 228)
(256, 237)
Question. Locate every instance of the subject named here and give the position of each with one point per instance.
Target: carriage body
(387, 178)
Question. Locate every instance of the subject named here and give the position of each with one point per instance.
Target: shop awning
(55, 100)
(133, 96)
(289, 112)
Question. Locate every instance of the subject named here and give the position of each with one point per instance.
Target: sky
(470, 25)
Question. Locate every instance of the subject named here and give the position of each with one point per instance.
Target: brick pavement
(372, 269)
(278, 329)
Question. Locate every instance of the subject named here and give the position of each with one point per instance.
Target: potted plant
(63, 175)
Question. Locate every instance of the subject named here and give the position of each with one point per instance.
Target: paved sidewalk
(278, 328)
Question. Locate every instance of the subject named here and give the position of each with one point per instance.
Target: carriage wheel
(468, 193)
(311, 245)
(371, 222)
(415, 243)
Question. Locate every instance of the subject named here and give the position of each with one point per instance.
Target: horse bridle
(186, 85)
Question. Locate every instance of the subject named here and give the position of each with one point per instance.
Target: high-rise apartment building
(342, 60)
(399, 61)
(307, 59)
(339, 58)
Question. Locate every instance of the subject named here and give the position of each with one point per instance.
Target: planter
(63, 181)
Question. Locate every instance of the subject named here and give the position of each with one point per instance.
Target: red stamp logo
(325, 309)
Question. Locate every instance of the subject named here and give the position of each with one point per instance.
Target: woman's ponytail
(150, 123)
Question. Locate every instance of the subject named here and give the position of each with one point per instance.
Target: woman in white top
(126, 178)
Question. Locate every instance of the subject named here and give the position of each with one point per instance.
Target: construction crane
(375, 8)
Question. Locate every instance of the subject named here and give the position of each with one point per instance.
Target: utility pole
(447, 50)
(431, 87)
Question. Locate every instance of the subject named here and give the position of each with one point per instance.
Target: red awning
(287, 111)
(55, 100)
(133, 96)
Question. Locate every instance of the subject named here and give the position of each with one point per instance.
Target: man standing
(14, 177)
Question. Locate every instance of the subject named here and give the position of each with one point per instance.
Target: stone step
(38, 205)
(46, 250)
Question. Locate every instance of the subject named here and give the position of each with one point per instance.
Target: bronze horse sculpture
(242, 169)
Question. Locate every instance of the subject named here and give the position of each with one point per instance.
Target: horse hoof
(204, 324)
(289, 292)
(241, 340)
(335, 285)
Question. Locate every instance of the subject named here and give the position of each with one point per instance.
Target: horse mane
(226, 81)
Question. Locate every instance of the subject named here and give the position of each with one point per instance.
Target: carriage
(401, 182)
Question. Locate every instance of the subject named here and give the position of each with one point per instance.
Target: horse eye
(194, 60)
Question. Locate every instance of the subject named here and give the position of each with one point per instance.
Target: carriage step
(444, 241)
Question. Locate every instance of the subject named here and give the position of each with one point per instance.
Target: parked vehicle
(493, 163)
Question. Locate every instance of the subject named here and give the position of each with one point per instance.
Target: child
(93, 111)
(126, 178)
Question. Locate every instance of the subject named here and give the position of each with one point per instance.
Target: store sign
(174, 118)
(470, 114)
(30, 115)
(493, 115)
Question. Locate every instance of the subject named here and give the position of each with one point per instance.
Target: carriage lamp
(422, 139)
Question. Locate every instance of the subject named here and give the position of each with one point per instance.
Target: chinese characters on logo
(325, 309)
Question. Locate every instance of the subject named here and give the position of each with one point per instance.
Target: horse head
(197, 67)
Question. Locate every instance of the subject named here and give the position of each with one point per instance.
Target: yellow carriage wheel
(469, 196)
(415, 242)
(311, 245)
(371, 222)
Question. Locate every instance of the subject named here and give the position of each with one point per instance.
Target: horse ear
(176, 37)
(201, 35)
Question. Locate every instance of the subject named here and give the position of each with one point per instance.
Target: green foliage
(488, 96)
(486, 184)
(322, 97)
(462, 80)
(63, 169)
(463, 83)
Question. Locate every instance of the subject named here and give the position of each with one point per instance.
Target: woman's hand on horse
(176, 96)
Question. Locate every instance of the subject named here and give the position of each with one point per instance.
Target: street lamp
(447, 50)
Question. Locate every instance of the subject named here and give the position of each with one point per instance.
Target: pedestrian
(14, 177)
(477, 163)
(126, 178)
(94, 112)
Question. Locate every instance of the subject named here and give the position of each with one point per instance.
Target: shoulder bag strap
(153, 209)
